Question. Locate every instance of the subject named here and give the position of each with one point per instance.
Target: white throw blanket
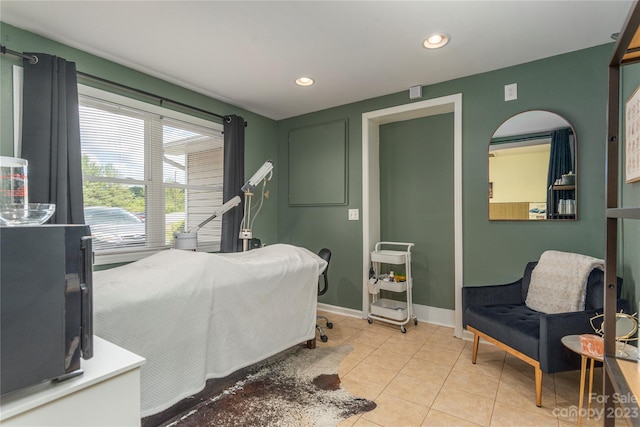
(559, 282)
(195, 316)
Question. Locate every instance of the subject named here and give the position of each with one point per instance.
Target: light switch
(511, 92)
(354, 214)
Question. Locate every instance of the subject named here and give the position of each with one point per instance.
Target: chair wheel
(369, 320)
(403, 329)
(324, 338)
(329, 325)
(415, 322)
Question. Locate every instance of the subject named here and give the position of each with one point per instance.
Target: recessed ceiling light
(304, 81)
(435, 41)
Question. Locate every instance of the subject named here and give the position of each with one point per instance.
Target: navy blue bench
(498, 314)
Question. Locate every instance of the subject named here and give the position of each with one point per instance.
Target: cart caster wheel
(329, 325)
(369, 320)
(324, 338)
(415, 322)
(403, 329)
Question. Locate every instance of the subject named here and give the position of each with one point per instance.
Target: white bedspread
(195, 316)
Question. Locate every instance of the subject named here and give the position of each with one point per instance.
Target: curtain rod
(149, 94)
(32, 58)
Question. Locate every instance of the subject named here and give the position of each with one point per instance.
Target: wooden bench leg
(538, 387)
(476, 341)
(536, 365)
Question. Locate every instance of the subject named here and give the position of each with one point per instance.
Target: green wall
(573, 85)
(416, 201)
(260, 134)
(629, 246)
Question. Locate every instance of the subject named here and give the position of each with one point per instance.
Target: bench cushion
(515, 325)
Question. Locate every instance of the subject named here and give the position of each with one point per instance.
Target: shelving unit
(564, 187)
(562, 216)
(554, 202)
(391, 310)
(621, 376)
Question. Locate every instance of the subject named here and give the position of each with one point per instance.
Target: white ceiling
(250, 53)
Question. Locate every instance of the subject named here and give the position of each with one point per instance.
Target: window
(147, 172)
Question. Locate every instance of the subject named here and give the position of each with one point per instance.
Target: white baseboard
(434, 315)
(424, 313)
(468, 336)
(341, 310)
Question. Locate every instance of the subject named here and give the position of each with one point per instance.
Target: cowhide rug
(298, 387)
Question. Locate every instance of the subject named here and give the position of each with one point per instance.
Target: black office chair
(325, 254)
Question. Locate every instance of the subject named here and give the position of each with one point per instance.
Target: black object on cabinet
(46, 303)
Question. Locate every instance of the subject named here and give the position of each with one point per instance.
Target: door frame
(371, 122)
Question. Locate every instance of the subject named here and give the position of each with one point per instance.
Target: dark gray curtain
(51, 137)
(233, 180)
(560, 162)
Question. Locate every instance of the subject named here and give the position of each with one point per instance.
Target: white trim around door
(371, 122)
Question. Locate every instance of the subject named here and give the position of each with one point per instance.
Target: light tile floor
(425, 378)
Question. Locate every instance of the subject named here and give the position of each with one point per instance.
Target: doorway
(371, 122)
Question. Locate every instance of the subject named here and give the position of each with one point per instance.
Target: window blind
(148, 172)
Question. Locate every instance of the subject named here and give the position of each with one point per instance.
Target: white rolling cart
(384, 309)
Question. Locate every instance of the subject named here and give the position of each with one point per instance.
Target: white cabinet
(107, 394)
(389, 310)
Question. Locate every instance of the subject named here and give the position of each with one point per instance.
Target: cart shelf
(393, 286)
(389, 257)
(391, 310)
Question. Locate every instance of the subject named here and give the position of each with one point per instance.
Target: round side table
(572, 342)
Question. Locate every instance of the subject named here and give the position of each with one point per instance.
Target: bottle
(392, 277)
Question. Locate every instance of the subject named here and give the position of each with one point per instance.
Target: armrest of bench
(555, 357)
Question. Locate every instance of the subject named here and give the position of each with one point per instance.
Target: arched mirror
(532, 168)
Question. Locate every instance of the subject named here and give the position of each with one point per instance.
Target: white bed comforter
(195, 316)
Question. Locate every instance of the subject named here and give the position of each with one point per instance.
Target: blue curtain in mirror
(51, 136)
(560, 163)
(233, 181)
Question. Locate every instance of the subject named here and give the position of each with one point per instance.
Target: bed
(196, 316)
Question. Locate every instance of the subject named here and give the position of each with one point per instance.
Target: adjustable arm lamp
(257, 177)
(263, 175)
(189, 240)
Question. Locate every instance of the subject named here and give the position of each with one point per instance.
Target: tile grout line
(428, 408)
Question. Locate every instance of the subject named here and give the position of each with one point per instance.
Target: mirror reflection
(532, 164)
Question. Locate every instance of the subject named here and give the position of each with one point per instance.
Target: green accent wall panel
(317, 165)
